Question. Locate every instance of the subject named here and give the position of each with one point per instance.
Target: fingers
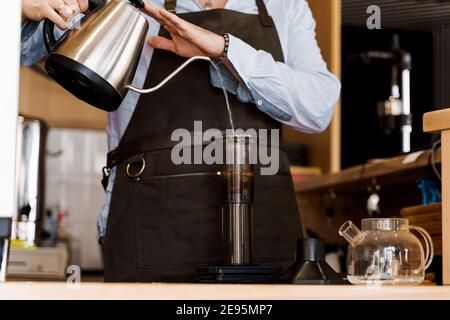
(74, 5)
(61, 11)
(83, 4)
(61, 8)
(50, 13)
(58, 11)
(162, 43)
(155, 13)
(173, 19)
(150, 9)
(183, 28)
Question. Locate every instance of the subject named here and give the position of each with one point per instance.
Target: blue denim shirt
(300, 92)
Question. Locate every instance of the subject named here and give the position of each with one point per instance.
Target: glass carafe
(386, 252)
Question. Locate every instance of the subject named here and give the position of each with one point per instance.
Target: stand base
(238, 274)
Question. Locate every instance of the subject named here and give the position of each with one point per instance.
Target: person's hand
(188, 40)
(58, 11)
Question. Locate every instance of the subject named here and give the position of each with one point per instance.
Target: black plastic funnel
(310, 266)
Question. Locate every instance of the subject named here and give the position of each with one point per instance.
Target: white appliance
(76, 158)
(39, 263)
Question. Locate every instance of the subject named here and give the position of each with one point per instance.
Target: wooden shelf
(392, 167)
(436, 121)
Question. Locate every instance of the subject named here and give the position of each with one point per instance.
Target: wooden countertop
(46, 290)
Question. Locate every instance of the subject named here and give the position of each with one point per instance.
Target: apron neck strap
(266, 21)
(171, 5)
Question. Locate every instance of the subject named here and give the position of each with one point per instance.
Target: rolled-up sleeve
(300, 92)
(32, 46)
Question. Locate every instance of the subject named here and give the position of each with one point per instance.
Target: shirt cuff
(243, 59)
(242, 56)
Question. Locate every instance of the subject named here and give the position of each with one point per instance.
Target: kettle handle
(49, 35)
(429, 249)
(49, 26)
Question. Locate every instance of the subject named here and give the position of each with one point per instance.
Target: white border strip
(9, 101)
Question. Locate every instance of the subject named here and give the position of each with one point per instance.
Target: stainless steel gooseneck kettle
(97, 60)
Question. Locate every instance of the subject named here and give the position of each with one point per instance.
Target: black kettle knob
(137, 3)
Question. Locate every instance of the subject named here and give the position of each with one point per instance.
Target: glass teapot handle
(429, 249)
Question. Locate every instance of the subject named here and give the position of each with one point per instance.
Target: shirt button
(259, 102)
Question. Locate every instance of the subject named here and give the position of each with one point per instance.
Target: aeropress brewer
(237, 218)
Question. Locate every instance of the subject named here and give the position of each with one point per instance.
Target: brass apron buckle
(139, 172)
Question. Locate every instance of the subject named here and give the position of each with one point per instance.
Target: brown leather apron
(166, 223)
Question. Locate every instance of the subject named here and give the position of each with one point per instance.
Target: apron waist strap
(138, 146)
(153, 143)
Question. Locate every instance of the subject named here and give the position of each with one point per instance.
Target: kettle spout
(350, 232)
(169, 77)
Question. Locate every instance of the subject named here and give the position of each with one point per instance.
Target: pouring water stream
(225, 93)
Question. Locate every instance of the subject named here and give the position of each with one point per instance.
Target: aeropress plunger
(238, 185)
